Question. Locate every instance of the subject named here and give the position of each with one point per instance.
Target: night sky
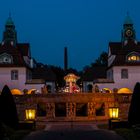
(84, 26)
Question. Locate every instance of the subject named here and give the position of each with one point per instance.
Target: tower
(10, 35)
(65, 59)
(128, 31)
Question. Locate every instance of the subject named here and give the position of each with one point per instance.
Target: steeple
(128, 20)
(10, 35)
(128, 31)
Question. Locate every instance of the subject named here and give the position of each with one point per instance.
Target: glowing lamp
(30, 114)
(113, 112)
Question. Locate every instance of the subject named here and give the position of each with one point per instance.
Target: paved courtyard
(72, 131)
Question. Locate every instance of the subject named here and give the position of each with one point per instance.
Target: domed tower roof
(9, 21)
(128, 20)
(9, 34)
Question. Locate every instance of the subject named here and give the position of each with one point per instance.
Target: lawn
(126, 133)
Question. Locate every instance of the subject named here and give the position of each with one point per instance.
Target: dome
(124, 91)
(71, 77)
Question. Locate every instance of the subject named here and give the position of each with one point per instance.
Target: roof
(24, 48)
(120, 51)
(14, 52)
(71, 76)
(94, 73)
(103, 80)
(44, 73)
(117, 47)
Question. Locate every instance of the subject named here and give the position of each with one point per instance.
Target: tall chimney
(65, 59)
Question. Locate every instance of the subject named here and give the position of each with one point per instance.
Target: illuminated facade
(123, 69)
(71, 85)
(17, 64)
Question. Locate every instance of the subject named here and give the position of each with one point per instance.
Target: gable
(6, 58)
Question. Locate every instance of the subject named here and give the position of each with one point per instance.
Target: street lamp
(113, 115)
(113, 112)
(30, 115)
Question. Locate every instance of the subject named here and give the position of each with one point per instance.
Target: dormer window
(6, 58)
(133, 57)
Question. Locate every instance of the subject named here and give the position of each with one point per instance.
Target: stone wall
(73, 107)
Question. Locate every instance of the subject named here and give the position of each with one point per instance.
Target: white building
(16, 63)
(123, 62)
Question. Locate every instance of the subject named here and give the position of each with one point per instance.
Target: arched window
(89, 88)
(133, 57)
(124, 90)
(49, 88)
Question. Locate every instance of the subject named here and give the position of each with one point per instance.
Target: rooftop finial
(9, 20)
(128, 19)
(9, 14)
(127, 13)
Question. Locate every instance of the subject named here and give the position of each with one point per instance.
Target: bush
(134, 110)
(8, 109)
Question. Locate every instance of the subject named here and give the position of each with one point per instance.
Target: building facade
(17, 65)
(123, 69)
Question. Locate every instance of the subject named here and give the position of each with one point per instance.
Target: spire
(128, 31)
(9, 34)
(9, 21)
(128, 20)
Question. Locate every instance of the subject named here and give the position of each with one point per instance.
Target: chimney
(65, 59)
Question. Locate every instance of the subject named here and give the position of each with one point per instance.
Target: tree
(101, 60)
(59, 72)
(8, 108)
(134, 109)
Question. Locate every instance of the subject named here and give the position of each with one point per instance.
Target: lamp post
(30, 115)
(113, 115)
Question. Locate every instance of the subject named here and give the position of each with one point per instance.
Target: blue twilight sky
(84, 26)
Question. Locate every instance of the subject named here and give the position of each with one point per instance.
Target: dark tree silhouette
(59, 72)
(8, 111)
(101, 60)
(134, 110)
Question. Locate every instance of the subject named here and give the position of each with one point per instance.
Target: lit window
(133, 57)
(124, 73)
(14, 75)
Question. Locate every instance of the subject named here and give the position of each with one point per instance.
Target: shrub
(8, 109)
(134, 110)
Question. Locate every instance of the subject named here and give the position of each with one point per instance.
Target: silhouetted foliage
(101, 60)
(8, 111)
(71, 70)
(134, 110)
(59, 72)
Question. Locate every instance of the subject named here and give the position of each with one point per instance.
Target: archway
(106, 90)
(31, 91)
(16, 92)
(89, 88)
(124, 90)
(49, 88)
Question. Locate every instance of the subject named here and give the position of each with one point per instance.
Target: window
(133, 57)
(110, 74)
(14, 75)
(124, 73)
